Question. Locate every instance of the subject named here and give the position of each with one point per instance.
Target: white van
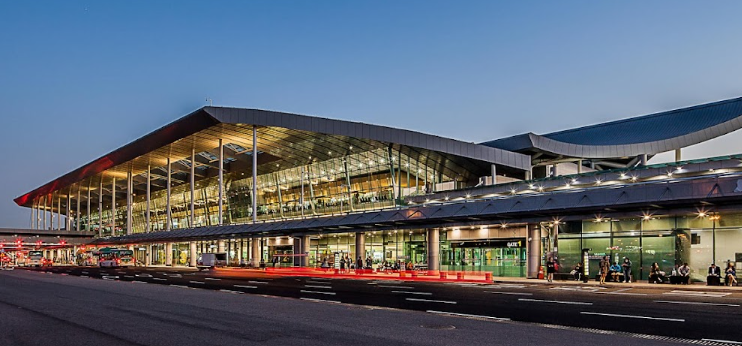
(211, 260)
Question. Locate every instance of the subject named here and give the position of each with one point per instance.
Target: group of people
(614, 271)
(715, 275)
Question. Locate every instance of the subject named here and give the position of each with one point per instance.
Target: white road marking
(84, 276)
(318, 292)
(159, 279)
(398, 287)
(554, 301)
(321, 300)
(109, 277)
(623, 292)
(695, 303)
(212, 279)
(317, 286)
(180, 286)
(723, 341)
(175, 275)
(197, 282)
(634, 316)
(231, 291)
(144, 275)
(430, 301)
(84, 272)
(128, 276)
(698, 294)
(139, 282)
(317, 282)
(244, 286)
(257, 282)
(511, 293)
(507, 286)
(418, 293)
(467, 315)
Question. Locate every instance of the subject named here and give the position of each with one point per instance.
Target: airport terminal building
(263, 185)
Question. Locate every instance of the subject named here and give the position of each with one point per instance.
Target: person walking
(626, 265)
(550, 269)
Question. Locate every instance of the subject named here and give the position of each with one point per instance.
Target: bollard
(459, 276)
(444, 275)
(488, 276)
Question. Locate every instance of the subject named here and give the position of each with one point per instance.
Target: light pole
(713, 219)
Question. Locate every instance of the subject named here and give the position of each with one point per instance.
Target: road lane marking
(180, 286)
(231, 291)
(318, 292)
(467, 315)
(84, 276)
(695, 303)
(244, 286)
(697, 294)
(723, 341)
(623, 292)
(258, 282)
(317, 286)
(418, 293)
(553, 301)
(430, 301)
(317, 282)
(128, 276)
(197, 282)
(159, 279)
(321, 300)
(138, 282)
(174, 275)
(212, 279)
(511, 293)
(398, 287)
(109, 277)
(633, 316)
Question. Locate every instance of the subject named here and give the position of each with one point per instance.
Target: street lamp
(713, 218)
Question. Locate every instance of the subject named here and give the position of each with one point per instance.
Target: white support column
(533, 241)
(678, 155)
(360, 246)
(579, 166)
(301, 198)
(220, 246)
(113, 206)
(494, 174)
(221, 183)
(433, 249)
(100, 207)
(43, 214)
(193, 188)
(169, 254)
(59, 212)
(77, 210)
(193, 254)
(254, 174)
(255, 254)
(129, 200)
(148, 254)
(147, 224)
(167, 199)
(67, 219)
(643, 159)
(87, 224)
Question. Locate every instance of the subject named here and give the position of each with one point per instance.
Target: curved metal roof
(284, 136)
(649, 134)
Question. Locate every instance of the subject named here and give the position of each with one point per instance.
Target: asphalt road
(662, 311)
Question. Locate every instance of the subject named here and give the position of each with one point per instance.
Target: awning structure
(623, 140)
(284, 140)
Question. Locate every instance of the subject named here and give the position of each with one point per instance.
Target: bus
(108, 257)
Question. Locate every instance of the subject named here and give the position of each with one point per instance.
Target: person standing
(550, 269)
(604, 267)
(626, 265)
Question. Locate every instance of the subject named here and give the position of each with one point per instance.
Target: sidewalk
(692, 286)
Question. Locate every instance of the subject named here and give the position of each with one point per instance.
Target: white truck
(211, 260)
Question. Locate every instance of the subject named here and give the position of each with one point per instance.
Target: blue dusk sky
(81, 78)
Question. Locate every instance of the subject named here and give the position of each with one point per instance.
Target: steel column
(128, 201)
(254, 174)
(100, 207)
(193, 187)
(77, 211)
(147, 225)
(221, 183)
(87, 225)
(113, 206)
(433, 247)
(193, 254)
(168, 219)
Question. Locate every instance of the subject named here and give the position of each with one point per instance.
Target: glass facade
(665, 240)
(369, 180)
